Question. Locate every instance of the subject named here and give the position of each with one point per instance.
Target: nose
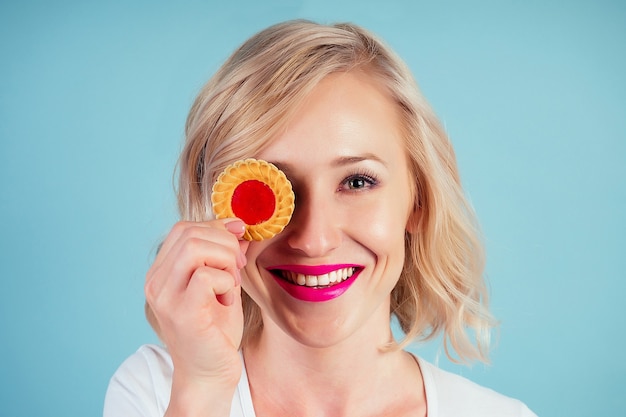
(314, 229)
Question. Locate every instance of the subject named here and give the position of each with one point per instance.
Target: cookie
(258, 193)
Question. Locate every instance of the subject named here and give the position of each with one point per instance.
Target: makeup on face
(315, 283)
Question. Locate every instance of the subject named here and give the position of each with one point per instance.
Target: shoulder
(141, 385)
(449, 394)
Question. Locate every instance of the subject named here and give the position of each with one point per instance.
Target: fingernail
(236, 227)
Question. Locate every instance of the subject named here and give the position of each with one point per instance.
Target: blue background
(93, 98)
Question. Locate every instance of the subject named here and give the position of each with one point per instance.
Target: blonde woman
(299, 324)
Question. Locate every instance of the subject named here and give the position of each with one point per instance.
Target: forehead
(346, 114)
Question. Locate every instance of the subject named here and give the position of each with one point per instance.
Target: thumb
(235, 226)
(243, 245)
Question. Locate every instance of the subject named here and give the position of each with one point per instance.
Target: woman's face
(330, 273)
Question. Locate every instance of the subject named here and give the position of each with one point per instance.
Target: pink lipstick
(315, 283)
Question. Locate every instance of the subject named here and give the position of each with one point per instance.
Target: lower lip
(316, 294)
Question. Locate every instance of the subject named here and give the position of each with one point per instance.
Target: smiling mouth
(316, 281)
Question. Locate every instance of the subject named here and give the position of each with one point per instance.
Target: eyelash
(367, 177)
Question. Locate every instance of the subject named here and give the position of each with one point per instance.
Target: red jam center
(253, 202)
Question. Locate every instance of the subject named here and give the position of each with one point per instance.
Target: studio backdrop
(93, 100)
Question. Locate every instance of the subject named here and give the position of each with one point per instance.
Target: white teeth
(300, 280)
(311, 281)
(318, 280)
(323, 280)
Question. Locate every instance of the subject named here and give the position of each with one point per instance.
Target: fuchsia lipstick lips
(316, 283)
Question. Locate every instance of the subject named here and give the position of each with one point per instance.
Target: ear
(414, 220)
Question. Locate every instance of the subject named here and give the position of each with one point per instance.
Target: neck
(337, 379)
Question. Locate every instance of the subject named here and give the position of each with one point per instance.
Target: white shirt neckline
(247, 407)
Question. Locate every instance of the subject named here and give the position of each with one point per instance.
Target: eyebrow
(337, 162)
(348, 160)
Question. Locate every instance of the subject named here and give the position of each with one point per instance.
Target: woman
(378, 203)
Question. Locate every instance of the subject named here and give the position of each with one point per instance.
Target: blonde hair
(247, 103)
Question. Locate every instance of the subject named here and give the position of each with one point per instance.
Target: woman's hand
(194, 291)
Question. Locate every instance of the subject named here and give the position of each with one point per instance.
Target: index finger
(233, 225)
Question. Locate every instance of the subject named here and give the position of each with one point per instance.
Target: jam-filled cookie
(258, 193)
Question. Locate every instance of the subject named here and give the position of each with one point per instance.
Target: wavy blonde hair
(248, 102)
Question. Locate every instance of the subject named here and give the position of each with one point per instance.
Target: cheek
(254, 249)
(382, 224)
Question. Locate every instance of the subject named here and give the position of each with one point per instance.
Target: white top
(141, 388)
